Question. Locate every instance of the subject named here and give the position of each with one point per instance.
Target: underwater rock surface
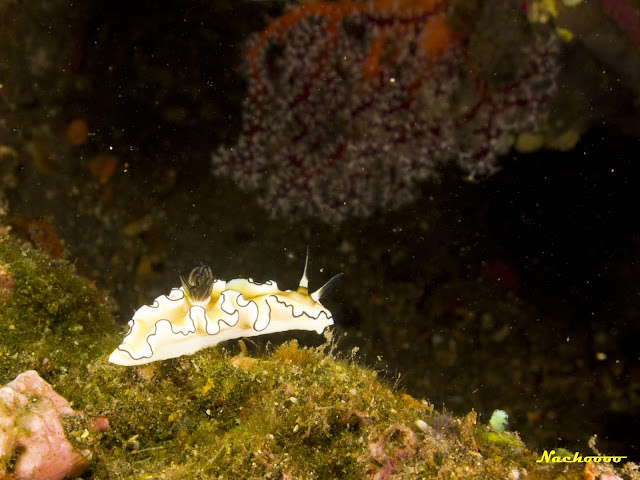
(269, 412)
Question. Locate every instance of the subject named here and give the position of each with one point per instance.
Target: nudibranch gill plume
(205, 311)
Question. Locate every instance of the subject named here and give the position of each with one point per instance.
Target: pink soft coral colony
(352, 103)
(30, 428)
(626, 15)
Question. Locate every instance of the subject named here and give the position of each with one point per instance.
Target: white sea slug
(205, 311)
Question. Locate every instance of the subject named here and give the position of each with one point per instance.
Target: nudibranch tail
(326, 288)
(323, 290)
(206, 311)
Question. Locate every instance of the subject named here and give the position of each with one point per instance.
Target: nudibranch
(205, 311)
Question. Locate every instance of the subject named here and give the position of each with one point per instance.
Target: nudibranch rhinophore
(205, 311)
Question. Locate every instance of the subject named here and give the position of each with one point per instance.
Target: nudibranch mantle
(204, 312)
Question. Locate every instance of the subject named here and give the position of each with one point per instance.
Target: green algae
(52, 320)
(284, 412)
(510, 439)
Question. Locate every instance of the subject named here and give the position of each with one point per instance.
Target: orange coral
(434, 38)
(42, 234)
(77, 132)
(103, 167)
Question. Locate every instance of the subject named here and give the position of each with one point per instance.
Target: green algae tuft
(52, 320)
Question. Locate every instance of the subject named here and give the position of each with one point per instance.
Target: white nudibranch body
(205, 311)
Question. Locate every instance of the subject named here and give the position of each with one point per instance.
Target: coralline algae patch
(32, 434)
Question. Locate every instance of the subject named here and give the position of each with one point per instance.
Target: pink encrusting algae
(31, 432)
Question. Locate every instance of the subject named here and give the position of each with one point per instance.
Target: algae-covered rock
(52, 320)
(283, 412)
